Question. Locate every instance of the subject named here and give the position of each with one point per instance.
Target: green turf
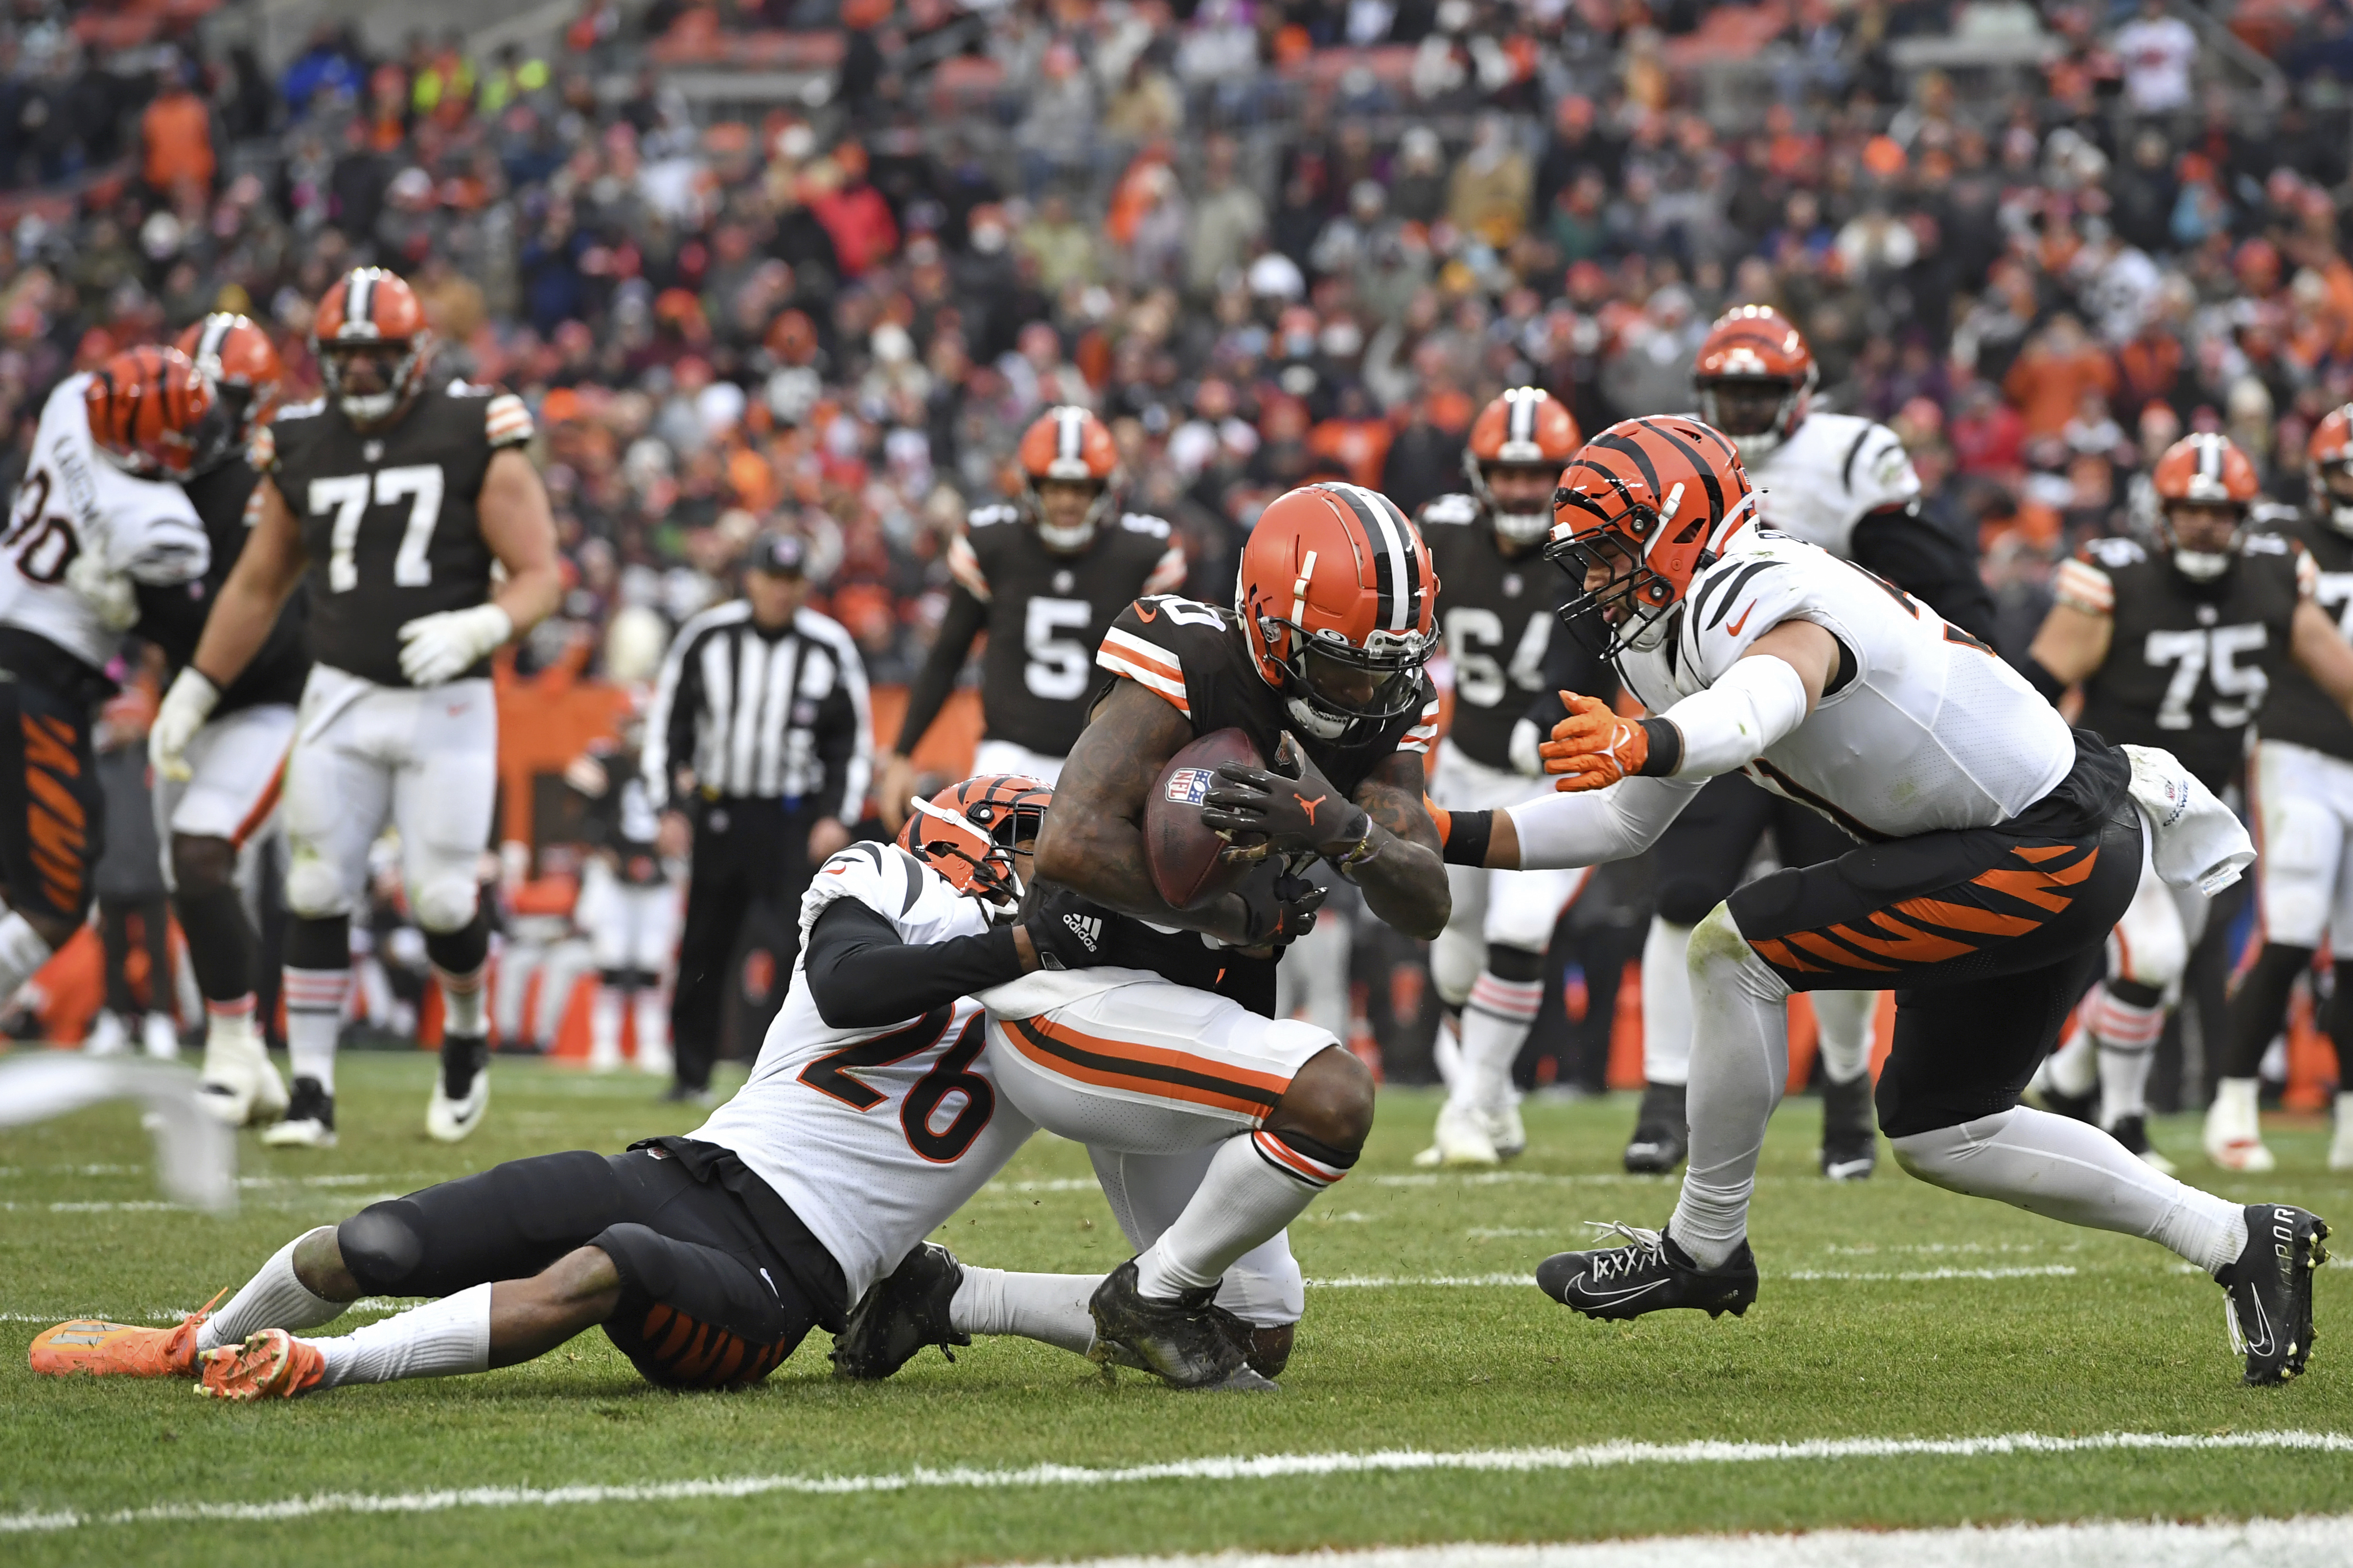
(2126, 1342)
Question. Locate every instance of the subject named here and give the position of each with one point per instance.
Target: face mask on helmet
(1330, 685)
(1623, 603)
(1521, 508)
(979, 860)
(2332, 492)
(2207, 549)
(1755, 412)
(1054, 504)
(367, 380)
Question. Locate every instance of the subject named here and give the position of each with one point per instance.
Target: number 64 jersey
(2189, 663)
(389, 523)
(874, 1136)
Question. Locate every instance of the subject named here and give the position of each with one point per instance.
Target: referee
(759, 734)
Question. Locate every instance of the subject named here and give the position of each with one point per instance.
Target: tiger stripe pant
(52, 826)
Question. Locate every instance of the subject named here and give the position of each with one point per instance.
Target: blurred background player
(96, 515)
(627, 906)
(1511, 660)
(216, 820)
(2174, 650)
(133, 910)
(1042, 577)
(390, 500)
(759, 738)
(1844, 483)
(2301, 795)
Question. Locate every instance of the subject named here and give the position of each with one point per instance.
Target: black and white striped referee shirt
(763, 715)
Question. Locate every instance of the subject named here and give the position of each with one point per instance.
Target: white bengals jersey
(874, 1136)
(1929, 729)
(1835, 471)
(73, 502)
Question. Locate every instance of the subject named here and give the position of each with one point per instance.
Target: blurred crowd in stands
(1268, 242)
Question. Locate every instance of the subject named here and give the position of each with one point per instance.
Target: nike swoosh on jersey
(1734, 629)
(1144, 614)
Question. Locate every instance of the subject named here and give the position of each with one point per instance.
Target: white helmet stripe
(358, 296)
(216, 333)
(1388, 528)
(1521, 426)
(1070, 432)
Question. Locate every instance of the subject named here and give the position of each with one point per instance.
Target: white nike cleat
(1504, 1129)
(466, 1067)
(239, 1085)
(159, 1037)
(2234, 1137)
(1460, 1139)
(107, 1035)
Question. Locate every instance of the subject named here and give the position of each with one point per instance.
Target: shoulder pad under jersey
(1451, 509)
(1745, 595)
(991, 515)
(882, 877)
(1144, 522)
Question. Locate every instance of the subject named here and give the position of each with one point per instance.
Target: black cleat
(309, 1121)
(2082, 1107)
(1849, 1130)
(2269, 1291)
(1661, 1132)
(1180, 1340)
(1267, 1350)
(1651, 1275)
(900, 1316)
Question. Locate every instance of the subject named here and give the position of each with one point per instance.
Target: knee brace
(315, 889)
(462, 950)
(695, 1317)
(382, 1247)
(1516, 964)
(202, 865)
(319, 942)
(445, 902)
(1454, 960)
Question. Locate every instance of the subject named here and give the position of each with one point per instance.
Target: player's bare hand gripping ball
(440, 647)
(1295, 805)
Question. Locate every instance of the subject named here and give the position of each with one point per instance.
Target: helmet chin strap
(2200, 565)
(1066, 538)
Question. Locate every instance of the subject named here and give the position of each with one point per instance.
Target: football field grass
(1434, 1396)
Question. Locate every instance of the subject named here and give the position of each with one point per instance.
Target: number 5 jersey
(2189, 663)
(388, 515)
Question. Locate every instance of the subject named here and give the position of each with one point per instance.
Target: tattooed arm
(1092, 842)
(1404, 881)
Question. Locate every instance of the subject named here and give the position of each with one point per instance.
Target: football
(1181, 852)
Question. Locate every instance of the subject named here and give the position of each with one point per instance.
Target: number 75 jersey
(388, 518)
(874, 1136)
(2189, 663)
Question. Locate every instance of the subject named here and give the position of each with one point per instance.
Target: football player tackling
(392, 500)
(1997, 849)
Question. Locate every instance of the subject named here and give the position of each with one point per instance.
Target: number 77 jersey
(874, 1136)
(389, 522)
(2189, 663)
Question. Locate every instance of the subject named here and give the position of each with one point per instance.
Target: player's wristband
(1666, 750)
(1463, 837)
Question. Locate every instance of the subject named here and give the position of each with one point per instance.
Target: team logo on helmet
(1526, 428)
(1642, 509)
(150, 413)
(967, 832)
(1336, 596)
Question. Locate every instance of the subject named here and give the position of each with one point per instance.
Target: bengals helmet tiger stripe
(1068, 443)
(240, 365)
(1756, 344)
(1337, 598)
(967, 832)
(369, 311)
(2329, 454)
(2204, 470)
(1526, 428)
(150, 414)
(1642, 509)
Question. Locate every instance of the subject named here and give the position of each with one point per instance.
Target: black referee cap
(781, 553)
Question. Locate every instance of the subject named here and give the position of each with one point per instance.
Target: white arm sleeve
(1746, 709)
(1564, 830)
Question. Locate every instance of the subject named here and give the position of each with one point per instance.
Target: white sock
(605, 1028)
(464, 1002)
(22, 951)
(653, 1030)
(1049, 1307)
(1843, 1023)
(1495, 1024)
(2124, 1082)
(274, 1299)
(441, 1339)
(2238, 1105)
(1666, 1004)
(2074, 1067)
(229, 1025)
(314, 1014)
(1739, 1065)
(2067, 1170)
(1248, 1194)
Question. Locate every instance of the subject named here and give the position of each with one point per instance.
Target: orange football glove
(1593, 748)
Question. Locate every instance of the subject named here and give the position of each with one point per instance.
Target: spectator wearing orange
(2050, 378)
(175, 140)
(1355, 437)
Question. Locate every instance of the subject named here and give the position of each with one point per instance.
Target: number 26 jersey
(388, 515)
(2189, 663)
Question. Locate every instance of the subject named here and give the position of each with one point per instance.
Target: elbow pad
(1750, 706)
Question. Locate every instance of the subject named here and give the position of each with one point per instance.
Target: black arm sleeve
(862, 975)
(836, 737)
(962, 622)
(1925, 561)
(685, 714)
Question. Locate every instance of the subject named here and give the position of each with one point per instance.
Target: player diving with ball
(1995, 851)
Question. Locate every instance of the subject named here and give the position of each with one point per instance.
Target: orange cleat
(120, 1350)
(271, 1365)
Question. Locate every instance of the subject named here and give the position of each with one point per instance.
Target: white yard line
(2277, 1542)
(1235, 1467)
(1383, 1281)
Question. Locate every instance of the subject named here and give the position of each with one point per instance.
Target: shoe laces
(1644, 1248)
(2230, 1323)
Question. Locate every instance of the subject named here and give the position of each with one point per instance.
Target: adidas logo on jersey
(1087, 928)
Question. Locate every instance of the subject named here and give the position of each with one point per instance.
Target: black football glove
(1281, 908)
(1069, 931)
(1294, 808)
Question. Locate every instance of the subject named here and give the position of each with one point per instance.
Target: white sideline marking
(1233, 1468)
(1385, 1282)
(2149, 1544)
